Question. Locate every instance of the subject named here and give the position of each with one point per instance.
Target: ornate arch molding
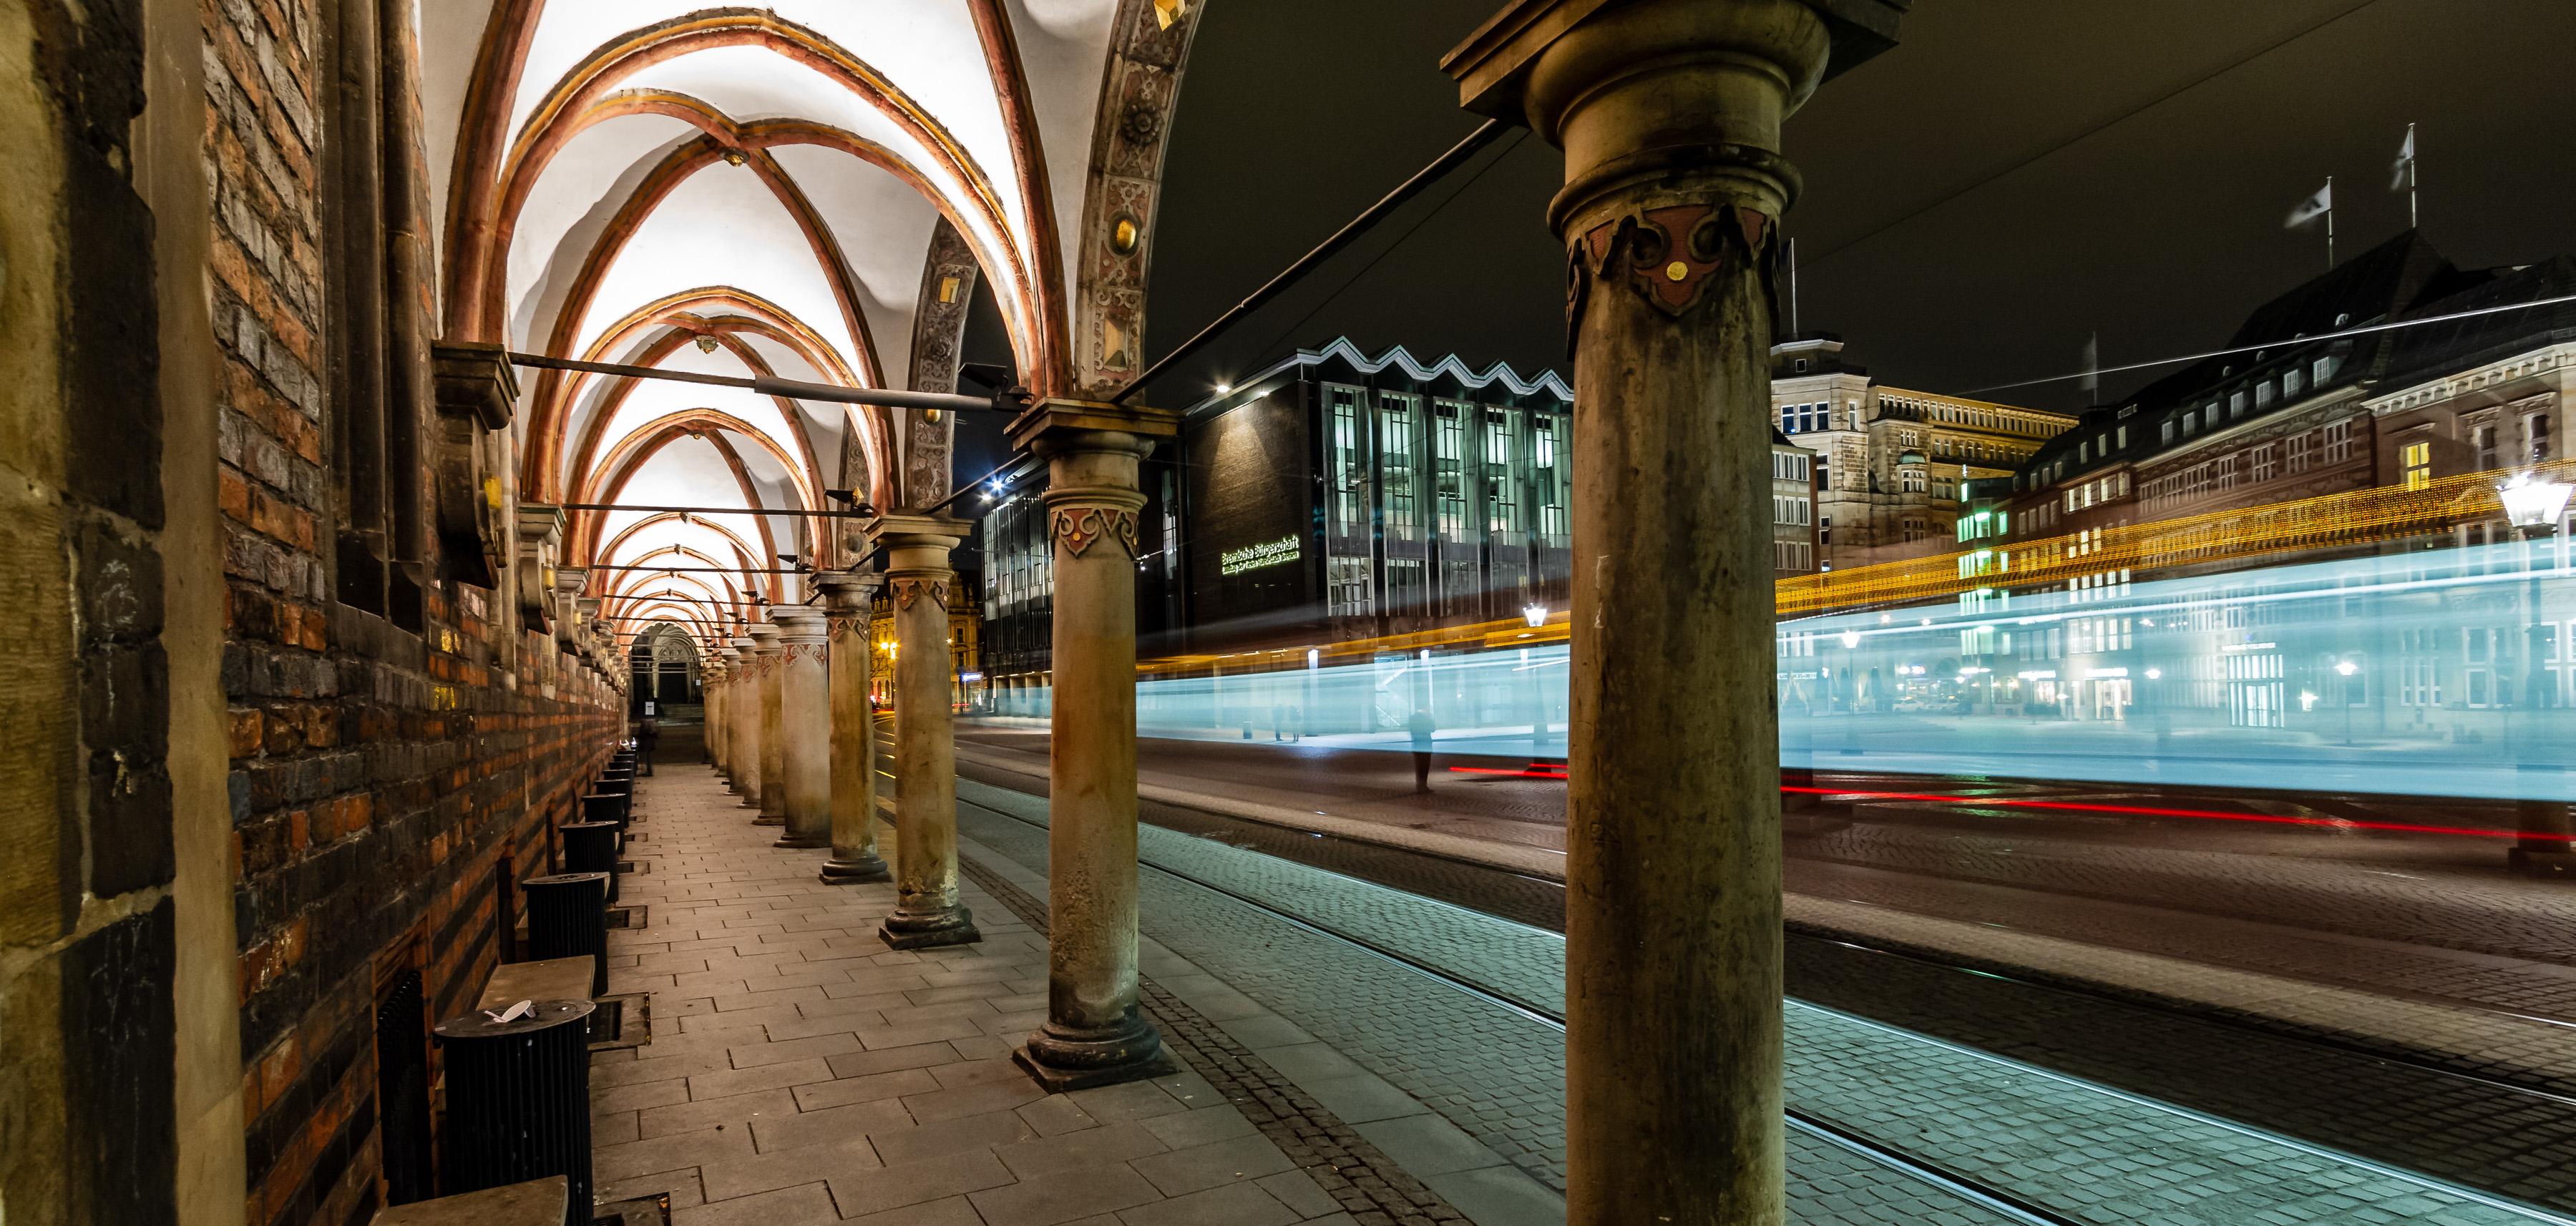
(1138, 93)
(938, 334)
(638, 448)
(542, 466)
(584, 469)
(743, 552)
(567, 108)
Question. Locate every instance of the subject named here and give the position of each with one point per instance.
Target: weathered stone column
(711, 704)
(1669, 114)
(846, 597)
(743, 712)
(925, 796)
(765, 667)
(804, 726)
(1093, 1034)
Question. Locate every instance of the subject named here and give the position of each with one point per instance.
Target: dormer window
(1802, 366)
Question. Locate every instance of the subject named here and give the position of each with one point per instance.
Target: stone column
(766, 666)
(1669, 114)
(711, 700)
(804, 726)
(925, 797)
(1093, 1034)
(847, 596)
(743, 712)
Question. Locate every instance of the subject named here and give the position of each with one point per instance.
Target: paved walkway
(800, 1072)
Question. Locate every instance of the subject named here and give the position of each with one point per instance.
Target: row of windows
(2250, 399)
(1809, 418)
(1792, 555)
(2105, 489)
(1792, 510)
(2258, 464)
(1453, 472)
(1788, 466)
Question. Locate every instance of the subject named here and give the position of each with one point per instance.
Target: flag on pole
(2313, 207)
(2405, 161)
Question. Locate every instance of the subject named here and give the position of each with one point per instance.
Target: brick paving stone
(1498, 1075)
(802, 1071)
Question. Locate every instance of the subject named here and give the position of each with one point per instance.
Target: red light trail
(2332, 823)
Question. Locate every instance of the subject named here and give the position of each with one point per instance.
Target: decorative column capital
(1093, 447)
(798, 626)
(1057, 426)
(916, 544)
(847, 592)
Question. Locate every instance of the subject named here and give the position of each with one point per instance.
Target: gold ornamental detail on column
(907, 590)
(1669, 255)
(1078, 527)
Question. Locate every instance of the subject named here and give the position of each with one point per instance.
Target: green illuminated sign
(1253, 557)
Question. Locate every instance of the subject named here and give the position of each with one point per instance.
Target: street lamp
(2533, 506)
(1534, 614)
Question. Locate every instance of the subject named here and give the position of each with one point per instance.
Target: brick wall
(380, 774)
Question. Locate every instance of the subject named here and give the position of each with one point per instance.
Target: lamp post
(2534, 505)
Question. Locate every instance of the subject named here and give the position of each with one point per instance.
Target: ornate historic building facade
(1890, 464)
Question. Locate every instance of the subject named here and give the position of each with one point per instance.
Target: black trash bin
(518, 1101)
(568, 917)
(591, 847)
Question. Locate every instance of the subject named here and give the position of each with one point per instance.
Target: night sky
(2015, 175)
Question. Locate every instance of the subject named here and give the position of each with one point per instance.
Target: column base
(770, 819)
(857, 870)
(801, 841)
(1064, 1058)
(926, 930)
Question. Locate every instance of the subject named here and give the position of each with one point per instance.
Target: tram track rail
(1357, 859)
(2000, 1201)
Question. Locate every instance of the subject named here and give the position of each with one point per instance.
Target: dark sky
(2017, 174)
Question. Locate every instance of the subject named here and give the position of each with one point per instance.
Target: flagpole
(2409, 179)
(2330, 222)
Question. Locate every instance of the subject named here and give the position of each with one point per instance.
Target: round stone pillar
(804, 726)
(743, 712)
(1669, 113)
(925, 797)
(711, 707)
(847, 597)
(766, 667)
(1094, 1033)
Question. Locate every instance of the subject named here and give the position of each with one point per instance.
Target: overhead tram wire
(2281, 344)
(1389, 249)
(2089, 133)
(1440, 167)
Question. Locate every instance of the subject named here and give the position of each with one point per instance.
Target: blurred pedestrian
(1421, 726)
(648, 735)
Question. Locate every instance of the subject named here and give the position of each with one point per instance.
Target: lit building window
(2416, 461)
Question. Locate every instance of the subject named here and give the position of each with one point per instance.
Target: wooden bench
(538, 1202)
(550, 979)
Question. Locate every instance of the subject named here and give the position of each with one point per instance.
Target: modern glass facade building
(1354, 497)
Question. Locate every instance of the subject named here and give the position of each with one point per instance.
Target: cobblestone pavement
(2096, 1154)
(803, 1073)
